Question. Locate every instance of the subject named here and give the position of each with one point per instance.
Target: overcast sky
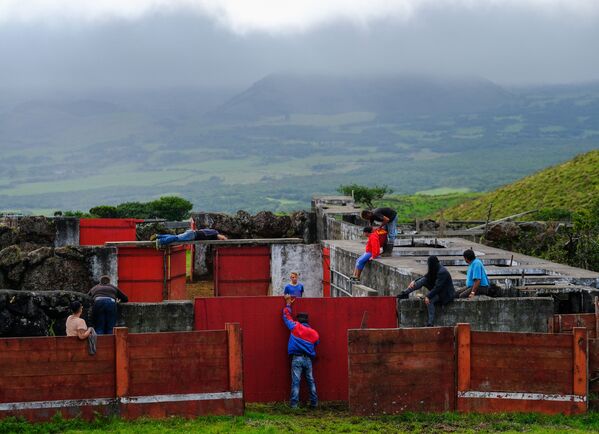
(85, 44)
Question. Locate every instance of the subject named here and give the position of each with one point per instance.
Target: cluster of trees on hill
(171, 208)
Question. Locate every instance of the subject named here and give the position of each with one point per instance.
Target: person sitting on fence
(76, 325)
(294, 288)
(188, 235)
(104, 311)
(302, 350)
(477, 281)
(372, 250)
(440, 285)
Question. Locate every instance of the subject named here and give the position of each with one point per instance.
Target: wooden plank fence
(132, 375)
(499, 372)
(396, 370)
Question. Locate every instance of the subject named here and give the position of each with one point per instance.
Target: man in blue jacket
(301, 348)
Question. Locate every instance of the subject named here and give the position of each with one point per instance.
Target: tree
(134, 210)
(171, 208)
(364, 194)
(104, 211)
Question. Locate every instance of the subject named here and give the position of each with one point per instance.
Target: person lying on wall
(302, 350)
(438, 280)
(76, 326)
(104, 310)
(188, 235)
(372, 250)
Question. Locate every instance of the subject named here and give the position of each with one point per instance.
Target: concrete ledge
(358, 290)
(522, 314)
(168, 316)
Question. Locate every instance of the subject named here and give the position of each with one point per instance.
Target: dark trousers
(104, 316)
(431, 310)
(465, 293)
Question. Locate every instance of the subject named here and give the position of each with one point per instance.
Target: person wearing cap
(104, 311)
(302, 350)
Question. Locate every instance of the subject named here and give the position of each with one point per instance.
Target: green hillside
(570, 186)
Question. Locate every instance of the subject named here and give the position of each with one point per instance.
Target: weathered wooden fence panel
(396, 370)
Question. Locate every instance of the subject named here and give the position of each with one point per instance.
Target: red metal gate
(326, 272)
(96, 232)
(241, 270)
(150, 275)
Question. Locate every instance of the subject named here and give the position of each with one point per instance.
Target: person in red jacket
(302, 350)
(373, 249)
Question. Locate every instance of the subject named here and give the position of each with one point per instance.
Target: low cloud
(273, 16)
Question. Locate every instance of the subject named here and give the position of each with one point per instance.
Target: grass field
(278, 418)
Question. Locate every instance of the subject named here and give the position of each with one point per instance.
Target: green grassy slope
(571, 185)
(419, 206)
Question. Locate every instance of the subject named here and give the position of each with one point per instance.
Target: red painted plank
(96, 232)
(265, 337)
(242, 271)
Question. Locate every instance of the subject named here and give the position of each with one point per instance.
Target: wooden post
(579, 355)
(121, 349)
(596, 317)
(235, 357)
(463, 362)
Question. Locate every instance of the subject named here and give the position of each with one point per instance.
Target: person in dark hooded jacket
(440, 285)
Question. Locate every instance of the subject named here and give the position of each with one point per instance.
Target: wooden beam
(463, 361)
(236, 242)
(579, 354)
(234, 341)
(121, 346)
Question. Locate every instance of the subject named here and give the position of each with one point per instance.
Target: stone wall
(67, 231)
(525, 314)
(306, 259)
(32, 313)
(265, 224)
(168, 316)
(44, 313)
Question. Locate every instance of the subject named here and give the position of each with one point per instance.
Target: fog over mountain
(60, 45)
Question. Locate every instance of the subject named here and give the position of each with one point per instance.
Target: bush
(104, 211)
(134, 210)
(553, 214)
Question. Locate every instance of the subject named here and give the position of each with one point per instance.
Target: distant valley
(287, 136)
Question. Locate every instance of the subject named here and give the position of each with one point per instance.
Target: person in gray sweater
(440, 285)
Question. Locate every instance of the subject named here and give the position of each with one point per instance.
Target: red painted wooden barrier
(241, 270)
(142, 273)
(564, 323)
(397, 370)
(594, 374)
(96, 232)
(265, 337)
(499, 372)
(150, 374)
(326, 272)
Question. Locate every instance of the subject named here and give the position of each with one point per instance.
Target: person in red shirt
(373, 249)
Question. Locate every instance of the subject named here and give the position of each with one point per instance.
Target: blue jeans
(104, 314)
(301, 364)
(431, 310)
(164, 239)
(362, 260)
(391, 231)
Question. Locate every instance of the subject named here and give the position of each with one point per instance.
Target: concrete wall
(526, 314)
(103, 261)
(168, 316)
(386, 279)
(306, 259)
(200, 265)
(67, 231)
